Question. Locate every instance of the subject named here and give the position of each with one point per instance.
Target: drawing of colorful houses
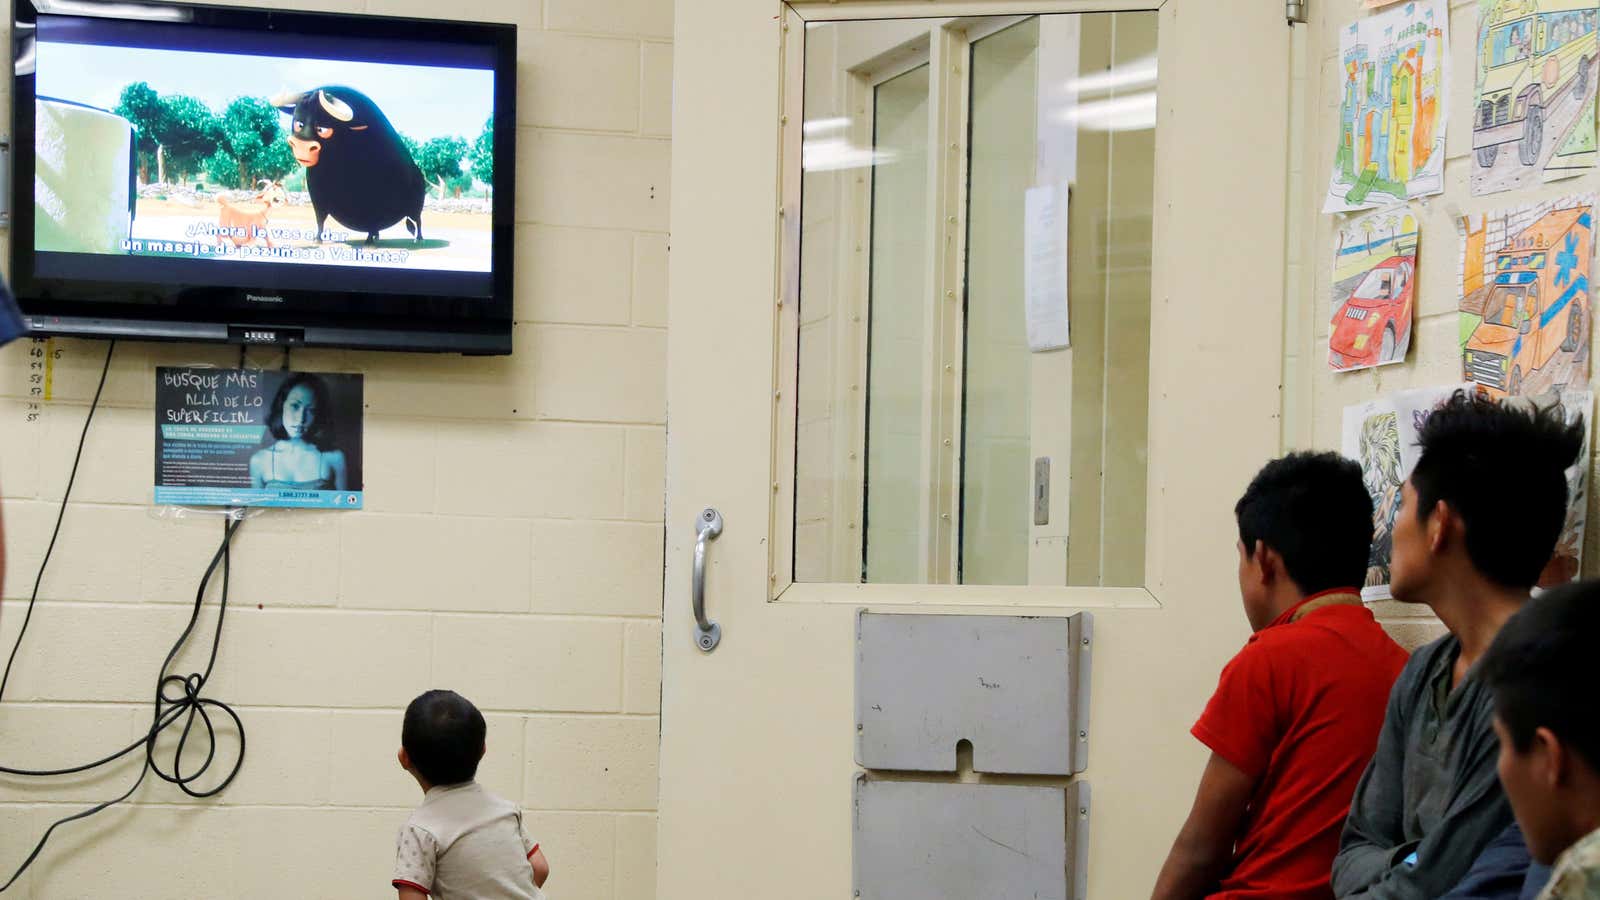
(1389, 110)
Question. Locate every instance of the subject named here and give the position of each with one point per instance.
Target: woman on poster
(302, 457)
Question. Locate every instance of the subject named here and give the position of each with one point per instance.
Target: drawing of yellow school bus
(1530, 53)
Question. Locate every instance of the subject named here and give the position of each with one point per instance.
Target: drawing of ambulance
(1538, 303)
(1531, 52)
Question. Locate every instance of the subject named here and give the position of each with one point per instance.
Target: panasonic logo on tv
(263, 298)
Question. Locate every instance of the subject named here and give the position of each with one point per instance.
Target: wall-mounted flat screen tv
(226, 174)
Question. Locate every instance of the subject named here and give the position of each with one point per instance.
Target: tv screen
(212, 173)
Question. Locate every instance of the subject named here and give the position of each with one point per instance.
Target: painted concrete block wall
(511, 548)
(1315, 396)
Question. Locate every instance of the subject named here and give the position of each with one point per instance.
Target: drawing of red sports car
(1374, 323)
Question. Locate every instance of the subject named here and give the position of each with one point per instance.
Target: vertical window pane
(1113, 194)
(996, 456)
(1064, 103)
(896, 358)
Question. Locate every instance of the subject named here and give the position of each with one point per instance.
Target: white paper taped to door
(1044, 277)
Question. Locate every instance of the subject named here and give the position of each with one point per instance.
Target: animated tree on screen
(149, 153)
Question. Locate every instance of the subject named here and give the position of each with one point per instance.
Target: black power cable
(177, 697)
(60, 514)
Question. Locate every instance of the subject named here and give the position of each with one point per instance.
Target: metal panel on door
(1015, 687)
(921, 841)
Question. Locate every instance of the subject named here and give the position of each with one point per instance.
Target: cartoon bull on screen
(357, 168)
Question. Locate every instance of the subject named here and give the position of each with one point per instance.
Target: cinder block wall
(511, 548)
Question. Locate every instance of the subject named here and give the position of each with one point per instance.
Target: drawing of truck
(1537, 305)
(1531, 51)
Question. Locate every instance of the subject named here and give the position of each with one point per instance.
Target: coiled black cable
(188, 704)
(177, 697)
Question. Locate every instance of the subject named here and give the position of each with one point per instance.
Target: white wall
(511, 548)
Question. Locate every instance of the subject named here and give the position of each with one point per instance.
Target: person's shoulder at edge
(1297, 632)
(485, 799)
(1577, 871)
(1431, 654)
(496, 799)
(1411, 684)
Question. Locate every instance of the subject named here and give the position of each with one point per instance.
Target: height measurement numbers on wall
(42, 356)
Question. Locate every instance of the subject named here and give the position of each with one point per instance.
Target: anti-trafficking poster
(258, 437)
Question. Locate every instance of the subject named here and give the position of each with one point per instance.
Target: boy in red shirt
(1296, 715)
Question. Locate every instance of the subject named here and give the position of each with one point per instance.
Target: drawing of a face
(1380, 471)
(299, 412)
(1380, 454)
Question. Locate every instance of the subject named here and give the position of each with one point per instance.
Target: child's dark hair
(1502, 468)
(320, 433)
(443, 734)
(1314, 510)
(1541, 668)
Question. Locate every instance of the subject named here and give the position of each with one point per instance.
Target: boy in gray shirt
(462, 842)
(1479, 518)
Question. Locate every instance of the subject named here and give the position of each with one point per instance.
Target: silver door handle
(707, 526)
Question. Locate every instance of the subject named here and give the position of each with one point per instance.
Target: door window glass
(974, 322)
